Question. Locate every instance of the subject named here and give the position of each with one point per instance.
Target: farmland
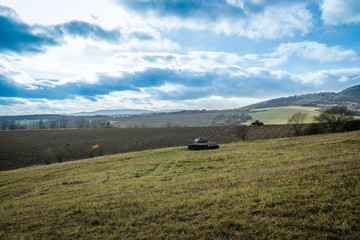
(280, 115)
(288, 188)
(23, 148)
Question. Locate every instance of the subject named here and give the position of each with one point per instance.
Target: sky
(63, 57)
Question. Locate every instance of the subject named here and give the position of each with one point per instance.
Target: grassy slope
(280, 115)
(305, 187)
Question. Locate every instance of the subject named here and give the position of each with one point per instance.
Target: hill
(349, 97)
(121, 112)
(352, 92)
(289, 188)
(112, 112)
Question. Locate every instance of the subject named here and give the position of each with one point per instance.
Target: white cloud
(105, 14)
(335, 12)
(343, 79)
(84, 60)
(330, 78)
(114, 100)
(44, 12)
(78, 60)
(118, 100)
(195, 61)
(310, 51)
(220, 102)
(143, 69)
(249, 18)
(225, 88)
(275, 22)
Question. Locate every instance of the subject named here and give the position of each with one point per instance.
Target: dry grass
(289, 188)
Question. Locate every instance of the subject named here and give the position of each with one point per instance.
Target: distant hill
(353, 92)
(113, 112)
(349, 97)
(121, 112)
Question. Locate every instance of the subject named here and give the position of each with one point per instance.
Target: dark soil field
(32, 147)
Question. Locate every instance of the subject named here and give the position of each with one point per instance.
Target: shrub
(96, 150)
(46, 156)
(59, 153)
(315, 128)
(351, 125)
(243, 132)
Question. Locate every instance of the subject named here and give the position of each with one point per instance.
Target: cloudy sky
(86, 55)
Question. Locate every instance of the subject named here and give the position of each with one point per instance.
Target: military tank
(202, 143)
(257, 123)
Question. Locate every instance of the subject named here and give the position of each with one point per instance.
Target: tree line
(62, 122)
(335, 119)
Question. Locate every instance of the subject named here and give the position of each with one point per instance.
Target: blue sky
(87, 55)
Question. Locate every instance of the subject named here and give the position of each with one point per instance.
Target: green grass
(305, 187)
(280, 115)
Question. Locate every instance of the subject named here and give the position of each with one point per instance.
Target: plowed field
(26, 148)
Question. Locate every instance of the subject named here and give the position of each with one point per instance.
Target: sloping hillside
(346, 97)
(353, 92)
(290, 188)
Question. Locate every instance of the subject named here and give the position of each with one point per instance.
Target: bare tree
(32, 125)
(64, 122)
(5, 125)
(94, 124)
(243, 132)
(296, 121)
(334, 117)
(81, 122)
(41, 124)
(13, 125)
(54, 123)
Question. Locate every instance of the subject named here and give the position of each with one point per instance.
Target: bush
(96, 150)
(351, 126)
(243, 132)
(315, 128)
(59, 153)
(51, 155)
(46, 156)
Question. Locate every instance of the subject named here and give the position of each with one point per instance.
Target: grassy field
(288, 188)
(280, 115)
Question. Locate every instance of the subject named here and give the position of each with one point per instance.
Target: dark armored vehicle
(257, 123)
(202, 143)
